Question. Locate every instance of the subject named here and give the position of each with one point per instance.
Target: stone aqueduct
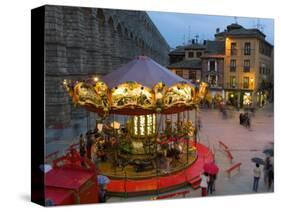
(87, 41)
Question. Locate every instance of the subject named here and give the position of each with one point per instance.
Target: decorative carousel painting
(130, 111)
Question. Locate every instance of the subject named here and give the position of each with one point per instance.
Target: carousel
(147, 125)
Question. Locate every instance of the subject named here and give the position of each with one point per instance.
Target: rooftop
(215, 47)
(238, 30)
(189, 64)
(180, 50)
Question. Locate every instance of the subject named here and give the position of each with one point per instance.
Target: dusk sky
(177, 27)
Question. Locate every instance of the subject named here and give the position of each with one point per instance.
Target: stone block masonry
(81, 42)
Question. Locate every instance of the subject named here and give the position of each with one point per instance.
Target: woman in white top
(257, 175)
(204, 184)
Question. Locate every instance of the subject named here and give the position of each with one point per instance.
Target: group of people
(207, 184)
(268, 172)
(94, 145)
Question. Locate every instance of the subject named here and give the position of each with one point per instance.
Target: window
(179, 73)
(198, 54)
(246, 65)
(212, 80)
(232, 65)
(212, 65)
(233, 49)
(192, 75)
(247, 48)
(245, 82)
(190, 54)
(233, 81)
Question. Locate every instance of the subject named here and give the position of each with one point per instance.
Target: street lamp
(96, 79)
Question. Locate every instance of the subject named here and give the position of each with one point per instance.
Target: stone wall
(81, 42)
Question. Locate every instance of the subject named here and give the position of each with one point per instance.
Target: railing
(232, 68)
(237, 86)
(238, 52)
(215, 86)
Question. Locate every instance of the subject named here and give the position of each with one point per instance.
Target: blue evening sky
(178, 27)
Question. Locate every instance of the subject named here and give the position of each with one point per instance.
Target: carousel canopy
(144, 71)
(140, 87)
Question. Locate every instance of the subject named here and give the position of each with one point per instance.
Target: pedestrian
(270, 176)
(266, 169)
(248, 122)
(257, 174)
(211, 183)
(204, 184)
(102, 194)
(199, 124)
(89, 144)
(241, 118)
(82, 150)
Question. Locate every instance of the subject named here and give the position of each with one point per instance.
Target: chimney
(193, 41)
(217, 30)
(204, 42)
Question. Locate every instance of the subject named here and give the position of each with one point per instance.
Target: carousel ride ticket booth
(147, 126)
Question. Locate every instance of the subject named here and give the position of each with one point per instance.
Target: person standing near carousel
(204, 184)
(82, 145)
(82, 150)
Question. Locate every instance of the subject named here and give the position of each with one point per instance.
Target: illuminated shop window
(144, 125)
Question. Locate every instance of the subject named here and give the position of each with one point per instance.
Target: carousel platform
(163, 183)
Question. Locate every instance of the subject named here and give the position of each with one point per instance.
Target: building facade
(82, 42)
(186, 61)
(201, 62)
(213, 67)
(248, 66)
(237, 65)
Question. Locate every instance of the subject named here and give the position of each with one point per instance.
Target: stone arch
(100, 16)
(119, 29)
(136, 41)
(142, 43)
(116, 21)
(148, 28)
(110, 23)
(126, 32)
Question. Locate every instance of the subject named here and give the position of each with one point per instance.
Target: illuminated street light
(96, 79)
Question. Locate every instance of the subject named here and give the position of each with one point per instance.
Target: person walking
(266, 169)
(82, 150)
(204, 184)
(102, 194)
(211, 183)
(270, 176)
(199, 123)
(241, 118)
(257, 174)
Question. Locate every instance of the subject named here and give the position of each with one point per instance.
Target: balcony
(232, 68)
(215, 86)
(246, 69)
(240, 52)
(233, 52)
(238, 86)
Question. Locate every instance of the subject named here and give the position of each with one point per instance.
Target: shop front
(262, 98)
(239, 99)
